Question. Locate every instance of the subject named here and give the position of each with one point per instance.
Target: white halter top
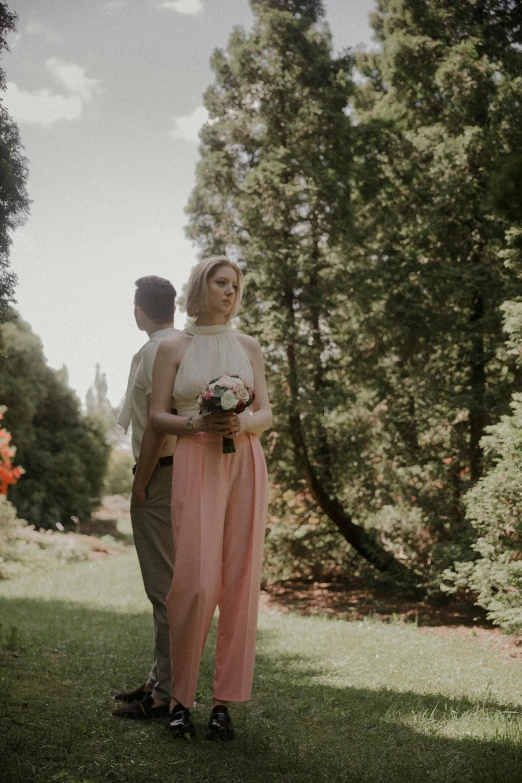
(213, 351)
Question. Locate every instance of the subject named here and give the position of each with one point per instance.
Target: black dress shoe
(142, 710)
(131, 698)
(219, 726)
(180, 724)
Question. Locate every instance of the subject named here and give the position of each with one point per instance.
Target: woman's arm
(261, 419)
(166, 363)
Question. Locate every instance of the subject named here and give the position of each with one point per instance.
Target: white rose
(227, 381)
(243, 394)
(228, 401)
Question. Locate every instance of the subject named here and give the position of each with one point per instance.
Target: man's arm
(149, 454)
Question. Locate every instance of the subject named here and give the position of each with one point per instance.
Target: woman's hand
(236, 426)
(221, 423)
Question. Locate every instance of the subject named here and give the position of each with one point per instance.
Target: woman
(219, 501)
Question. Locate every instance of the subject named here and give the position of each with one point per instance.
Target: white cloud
(44, 107)
(41, 30)
(40, 107)
(72, 77)
(189, 7)
(188, 127)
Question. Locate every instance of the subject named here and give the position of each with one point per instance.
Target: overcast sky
(108, 98)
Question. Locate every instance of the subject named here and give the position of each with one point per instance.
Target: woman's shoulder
(172, 347)
(250, 344)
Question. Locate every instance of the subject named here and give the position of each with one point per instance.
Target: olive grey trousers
(152, 529)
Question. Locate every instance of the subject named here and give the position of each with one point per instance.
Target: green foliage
(24, 550)
(14, 201)
(374, 259)
(309, 10)
(494, 507)
(425, 277)
(301, 543)
(506, 190)
(118, 479)
(64, 454)
(273, 186)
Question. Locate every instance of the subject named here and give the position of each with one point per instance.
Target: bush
(24, 549)
(494, 508)
(63, 452)
(118, 479)
(300, 542)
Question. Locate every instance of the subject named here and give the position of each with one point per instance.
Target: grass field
(333, 701)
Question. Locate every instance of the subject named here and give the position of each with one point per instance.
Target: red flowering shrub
(8, 474)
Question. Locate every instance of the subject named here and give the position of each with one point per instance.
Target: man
(154, 305)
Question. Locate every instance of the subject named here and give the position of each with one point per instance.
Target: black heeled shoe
(219, 727)
(180, 722)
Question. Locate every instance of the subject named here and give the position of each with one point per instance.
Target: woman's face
(222, 291)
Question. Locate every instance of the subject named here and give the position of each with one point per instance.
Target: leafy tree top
(498, 23)
(7, 25)
(14, 202)
(301, 9)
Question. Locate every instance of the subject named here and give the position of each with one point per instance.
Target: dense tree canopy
(362, 215)
(273, 184)
(438, 115)
(63, 453)
(14, 201)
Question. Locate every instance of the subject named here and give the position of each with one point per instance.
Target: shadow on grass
(62, 661)
(352, 600)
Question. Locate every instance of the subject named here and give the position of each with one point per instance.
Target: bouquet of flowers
(227, 393)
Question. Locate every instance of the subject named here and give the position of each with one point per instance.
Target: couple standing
(198, 515)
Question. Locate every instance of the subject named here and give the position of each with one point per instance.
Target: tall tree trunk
(364, 543)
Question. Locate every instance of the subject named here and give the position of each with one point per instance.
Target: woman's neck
(210, 319)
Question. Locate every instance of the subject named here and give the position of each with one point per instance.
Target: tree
(14, 202)
(273, 187)
(494, 505)
(99, 407)
(64, 454)
(437, 114)
(372, 255)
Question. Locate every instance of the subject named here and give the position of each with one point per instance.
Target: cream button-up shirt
(139, 386)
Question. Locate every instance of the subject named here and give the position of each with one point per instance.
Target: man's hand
(139, 495)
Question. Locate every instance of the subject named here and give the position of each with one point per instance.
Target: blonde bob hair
(197, 286)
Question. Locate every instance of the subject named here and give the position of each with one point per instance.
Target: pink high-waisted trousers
(219, 505)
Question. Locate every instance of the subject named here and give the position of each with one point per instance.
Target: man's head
(154, 303)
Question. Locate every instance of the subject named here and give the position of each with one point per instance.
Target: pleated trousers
(219, 505)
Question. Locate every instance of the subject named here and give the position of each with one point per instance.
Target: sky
(107, 95)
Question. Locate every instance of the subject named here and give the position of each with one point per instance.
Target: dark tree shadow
(352, 600)
(63, 660)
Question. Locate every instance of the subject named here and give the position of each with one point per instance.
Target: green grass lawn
(333, 701)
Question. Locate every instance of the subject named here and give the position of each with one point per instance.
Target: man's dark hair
(156, 297)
